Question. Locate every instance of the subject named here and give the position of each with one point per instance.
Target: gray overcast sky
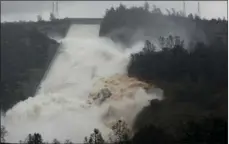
(28, 10)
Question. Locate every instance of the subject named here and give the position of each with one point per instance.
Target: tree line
(194, 109)
(155, 23)
(194, 78)
(208, 131)
(194, 84)
(193, 74)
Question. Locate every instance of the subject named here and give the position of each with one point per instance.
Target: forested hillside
(25, 55)
(191, 68)
(194, 83)
(136, 23)
(54, 27)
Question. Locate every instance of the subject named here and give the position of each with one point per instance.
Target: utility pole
(198, 8)
(55, 9)
(184, 10)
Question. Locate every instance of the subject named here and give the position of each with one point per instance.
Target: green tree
(52, 17)
(152, 135)
(190, 16)
(55, 141)
(68, 142)
(95, 138)
(120, 133)
(39, 18)
(146, 6)
(36, 138)
(209, 131)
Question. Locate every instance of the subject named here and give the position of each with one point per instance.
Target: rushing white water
(57, 110)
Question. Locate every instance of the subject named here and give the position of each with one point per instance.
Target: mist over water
(59, 109)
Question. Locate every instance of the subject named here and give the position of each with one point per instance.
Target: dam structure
(54, 34)
(60, 107)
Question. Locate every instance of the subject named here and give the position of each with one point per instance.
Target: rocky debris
(119, 92)
(102, 96)
(115, 88)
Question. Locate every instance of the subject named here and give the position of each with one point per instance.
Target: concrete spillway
(59, 109)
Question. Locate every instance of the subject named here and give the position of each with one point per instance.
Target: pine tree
(146, 6)
(95, 138)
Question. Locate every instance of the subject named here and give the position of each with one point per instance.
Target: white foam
(56, 111)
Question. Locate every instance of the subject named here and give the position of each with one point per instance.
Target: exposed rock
(121, 96)
(102, 96)
(116, 87)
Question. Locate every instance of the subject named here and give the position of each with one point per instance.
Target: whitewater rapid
(58, 110)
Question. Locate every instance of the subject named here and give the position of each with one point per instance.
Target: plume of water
(58, 110)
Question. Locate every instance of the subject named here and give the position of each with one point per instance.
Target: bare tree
(3, 133)
(95, 138)
(121, 132)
